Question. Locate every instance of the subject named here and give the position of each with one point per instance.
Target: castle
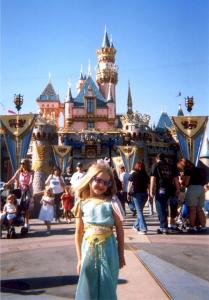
(92, 129)
(91, 125)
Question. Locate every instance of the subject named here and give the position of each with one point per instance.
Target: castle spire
(50, 77)
(130, 110)
(69, 97)
(111, 42)
(89, 68)
(180, 111)
(81, 72)
(106, 42)
(81, 80)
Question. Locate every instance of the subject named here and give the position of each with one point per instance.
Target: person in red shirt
(67, 203)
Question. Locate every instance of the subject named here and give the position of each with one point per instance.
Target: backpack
(201, 175)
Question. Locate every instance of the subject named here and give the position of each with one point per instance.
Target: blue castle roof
(100, 100)
(164, 121)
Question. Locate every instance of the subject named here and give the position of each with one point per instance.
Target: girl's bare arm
(120, 238)
(79, 231)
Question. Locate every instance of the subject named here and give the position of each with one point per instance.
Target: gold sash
(97, 234)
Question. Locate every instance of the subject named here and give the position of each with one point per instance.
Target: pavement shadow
(42, 233)
(58, 231)
(36, 286)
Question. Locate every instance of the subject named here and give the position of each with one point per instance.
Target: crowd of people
(99, 198)
(172, 186)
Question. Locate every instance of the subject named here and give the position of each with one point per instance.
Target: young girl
(47, 209)
(67, 203)
(9, 210)
(99, 256)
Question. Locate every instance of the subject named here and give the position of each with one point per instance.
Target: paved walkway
(44, 266)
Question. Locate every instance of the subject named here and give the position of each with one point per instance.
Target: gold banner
(17, 125)
(190, 126)
(128, 151)
(61, 150)
(117, 162)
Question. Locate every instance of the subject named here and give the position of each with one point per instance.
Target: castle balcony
(90, 117)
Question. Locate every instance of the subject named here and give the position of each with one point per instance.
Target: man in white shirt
(76, 177)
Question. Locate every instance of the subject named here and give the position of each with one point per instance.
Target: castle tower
(49, 104)
(106, 71)
(111, 106)
(44, 134)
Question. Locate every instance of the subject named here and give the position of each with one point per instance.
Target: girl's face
(49, 193)
(10, 199)
(99, 184)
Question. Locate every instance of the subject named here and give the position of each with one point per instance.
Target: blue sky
(162, 48)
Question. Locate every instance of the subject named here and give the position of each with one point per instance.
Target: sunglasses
(99, 180)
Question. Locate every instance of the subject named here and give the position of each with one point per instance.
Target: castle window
(90, 105)
(90, 125)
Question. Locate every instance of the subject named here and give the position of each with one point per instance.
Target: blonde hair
(47, 190)
(82, 191)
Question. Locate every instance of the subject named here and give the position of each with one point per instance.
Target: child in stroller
(10, 220)
(8, 215)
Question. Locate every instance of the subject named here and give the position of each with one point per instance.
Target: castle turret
(180, 111)
(81, 81)
(129, 102)
(49, 104)
(107, 71)
(68, 108)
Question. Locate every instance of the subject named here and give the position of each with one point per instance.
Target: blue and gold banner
(117, 163)
(190, 133)
(17, 131)
(129, 156)
(62, 156)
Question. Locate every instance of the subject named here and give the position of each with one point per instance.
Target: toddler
(67, 203)
(9, 210)
(47, 209)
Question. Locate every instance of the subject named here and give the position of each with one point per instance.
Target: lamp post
(18, 101)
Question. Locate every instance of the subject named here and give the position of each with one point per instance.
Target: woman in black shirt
(139, 180)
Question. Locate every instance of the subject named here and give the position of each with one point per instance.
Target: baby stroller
(183, 219)
(19, 219)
